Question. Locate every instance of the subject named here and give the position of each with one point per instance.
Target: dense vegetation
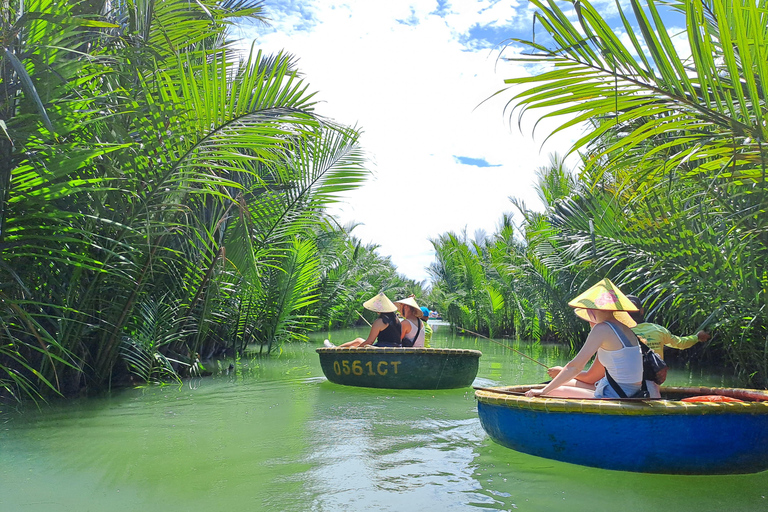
(670, 197)
(162, 196)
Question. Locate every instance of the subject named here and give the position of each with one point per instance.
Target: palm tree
(460, 285)
(168, 178)
(674, 183)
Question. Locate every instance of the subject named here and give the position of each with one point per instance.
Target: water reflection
(369, 458)
(273, 434)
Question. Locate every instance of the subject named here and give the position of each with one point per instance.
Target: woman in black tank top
(390, 336)
(386, 327)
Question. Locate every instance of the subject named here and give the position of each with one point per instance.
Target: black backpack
(654, 367)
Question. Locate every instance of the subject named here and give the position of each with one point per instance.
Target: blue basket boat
(649, 436)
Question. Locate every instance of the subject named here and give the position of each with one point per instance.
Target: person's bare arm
(377, 326)
(572, 369)
(405, 328)
(595, 372)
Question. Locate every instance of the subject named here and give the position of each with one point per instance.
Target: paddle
(361, 316)
(507, 346)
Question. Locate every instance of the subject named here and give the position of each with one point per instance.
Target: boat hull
(658, 436)
(400, 368)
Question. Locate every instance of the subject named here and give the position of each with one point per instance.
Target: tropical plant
(152, 165)
(522, 276)
(674, 184)
(466, 298)
(353, 272)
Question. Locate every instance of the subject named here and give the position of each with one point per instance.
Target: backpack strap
(418, 330)
(643, 393)
(615, 385)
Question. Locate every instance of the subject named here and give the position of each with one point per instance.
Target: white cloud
(399, 71)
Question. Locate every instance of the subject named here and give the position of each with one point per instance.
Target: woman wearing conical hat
(413, 333)
(606, 308)
(385, 330)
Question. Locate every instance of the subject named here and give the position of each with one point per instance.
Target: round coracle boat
(400, 368)
(690, 430)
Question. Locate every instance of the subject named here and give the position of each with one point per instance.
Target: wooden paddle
(506, 346)
(361, 316)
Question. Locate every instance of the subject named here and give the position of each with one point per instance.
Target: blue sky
(419, 78)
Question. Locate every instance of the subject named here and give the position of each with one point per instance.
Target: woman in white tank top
(617, 348)
(412, 328)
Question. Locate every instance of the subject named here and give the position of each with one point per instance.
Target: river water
(273, 434)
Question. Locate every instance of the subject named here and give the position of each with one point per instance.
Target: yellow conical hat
(380, 304)
(605, 296)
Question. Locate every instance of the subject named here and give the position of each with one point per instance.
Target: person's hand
(553, 371)
(532, 393)
(703, 336)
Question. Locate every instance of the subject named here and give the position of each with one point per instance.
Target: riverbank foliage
(670, 197)
(162, 195)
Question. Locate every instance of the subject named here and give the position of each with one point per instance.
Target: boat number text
(369, 368)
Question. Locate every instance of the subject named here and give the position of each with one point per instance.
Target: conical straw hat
(380, 304)
(409, 301)
(605, 296)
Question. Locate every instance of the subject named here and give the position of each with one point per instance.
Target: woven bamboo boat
(649, 436)
(400, 368)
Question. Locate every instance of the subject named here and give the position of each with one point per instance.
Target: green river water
(275, 435)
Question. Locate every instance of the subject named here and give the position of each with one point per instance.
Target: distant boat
(710, 435)
(400, 368)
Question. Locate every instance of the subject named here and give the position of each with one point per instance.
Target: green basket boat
(400, 368)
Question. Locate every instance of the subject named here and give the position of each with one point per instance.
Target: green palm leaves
(467, 296)
(168, 203)
(671, 198)
(702, 114)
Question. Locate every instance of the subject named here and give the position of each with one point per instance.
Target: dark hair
(390, 318)
(637, 316)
